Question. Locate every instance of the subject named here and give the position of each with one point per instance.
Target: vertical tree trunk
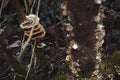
(82, 19)
(17, 7)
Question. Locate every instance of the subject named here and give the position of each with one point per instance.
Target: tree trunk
(82, 19)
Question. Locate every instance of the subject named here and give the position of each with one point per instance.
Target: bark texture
(82, 19)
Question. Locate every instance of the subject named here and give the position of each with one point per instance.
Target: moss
(60, 76)
(108, 63)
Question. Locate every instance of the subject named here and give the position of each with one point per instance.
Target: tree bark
(17, 7)
(82, 19)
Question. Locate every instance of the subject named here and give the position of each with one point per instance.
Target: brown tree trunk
(17, 7)
(82, 19)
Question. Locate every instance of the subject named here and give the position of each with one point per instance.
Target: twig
(35, 57)
(31, 10)
(33, 53)
(26, 6)
(1, 7)
(3, 78)
(23, 41)
(38, 7)
(26, 43)
(2, 23)
(58, 23)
